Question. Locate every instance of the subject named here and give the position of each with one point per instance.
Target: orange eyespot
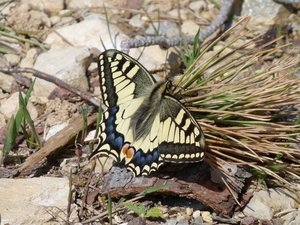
(125, 148)
(130, 153)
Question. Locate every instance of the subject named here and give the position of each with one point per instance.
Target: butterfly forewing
(139, 131)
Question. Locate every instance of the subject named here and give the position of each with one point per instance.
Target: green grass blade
(22, 102)
(155, 189)
(10, 137)
(109, 208)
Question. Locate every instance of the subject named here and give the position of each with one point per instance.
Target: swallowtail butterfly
(143, 125)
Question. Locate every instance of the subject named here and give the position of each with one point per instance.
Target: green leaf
(20, 114)
(109, 208)
(139, 209)
(10, 137)
(154, 212)
(261, 175)
(278, 156)
(155, 188)
(276, 167)
(196, 45)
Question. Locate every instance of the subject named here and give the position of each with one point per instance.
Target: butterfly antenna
(165, 65)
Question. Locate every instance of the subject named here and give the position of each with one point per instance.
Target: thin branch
(83, 94)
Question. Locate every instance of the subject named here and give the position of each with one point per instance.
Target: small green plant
(142, 211)
(20, 122)
(189, 54)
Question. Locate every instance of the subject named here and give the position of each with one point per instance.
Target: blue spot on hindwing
(119, 143)
(111, 137)
(149, 159)
(155, 155)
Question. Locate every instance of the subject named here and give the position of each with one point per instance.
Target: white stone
(196, 214)
(30, 201)
(6, 82)
(55, 129)
(152, 58)
(51, 6)
(12, 59)
(189, 211)
(10, 106)
(6, 10)
(166, 28)
(265, 203)
(184, 13)
(296, 219)
(29, 59)
(75, 4)
(264, 11)
(88, 32)
(54, 20)
(189, 27)
(137, 21)
(207, 217)
(68, 64)
(198, 6)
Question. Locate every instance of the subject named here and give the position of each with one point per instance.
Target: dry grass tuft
(245, 99)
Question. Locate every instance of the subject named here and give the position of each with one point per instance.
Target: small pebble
(196, 214)
(206, 216)
(12, 59)
(189, 211)
(180, 217)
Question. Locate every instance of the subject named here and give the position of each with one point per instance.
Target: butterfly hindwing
(142, 126)
(181, 140)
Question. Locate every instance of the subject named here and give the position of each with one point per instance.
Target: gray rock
(183, 222)
(137, 21)
(265, 203)
(165, 28)
(171, 222)
(265, 12)
(33, 200)
(68, 64)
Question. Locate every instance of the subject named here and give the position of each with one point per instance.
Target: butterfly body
(143, 126)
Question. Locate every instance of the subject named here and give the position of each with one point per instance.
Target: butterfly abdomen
(143, 119)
